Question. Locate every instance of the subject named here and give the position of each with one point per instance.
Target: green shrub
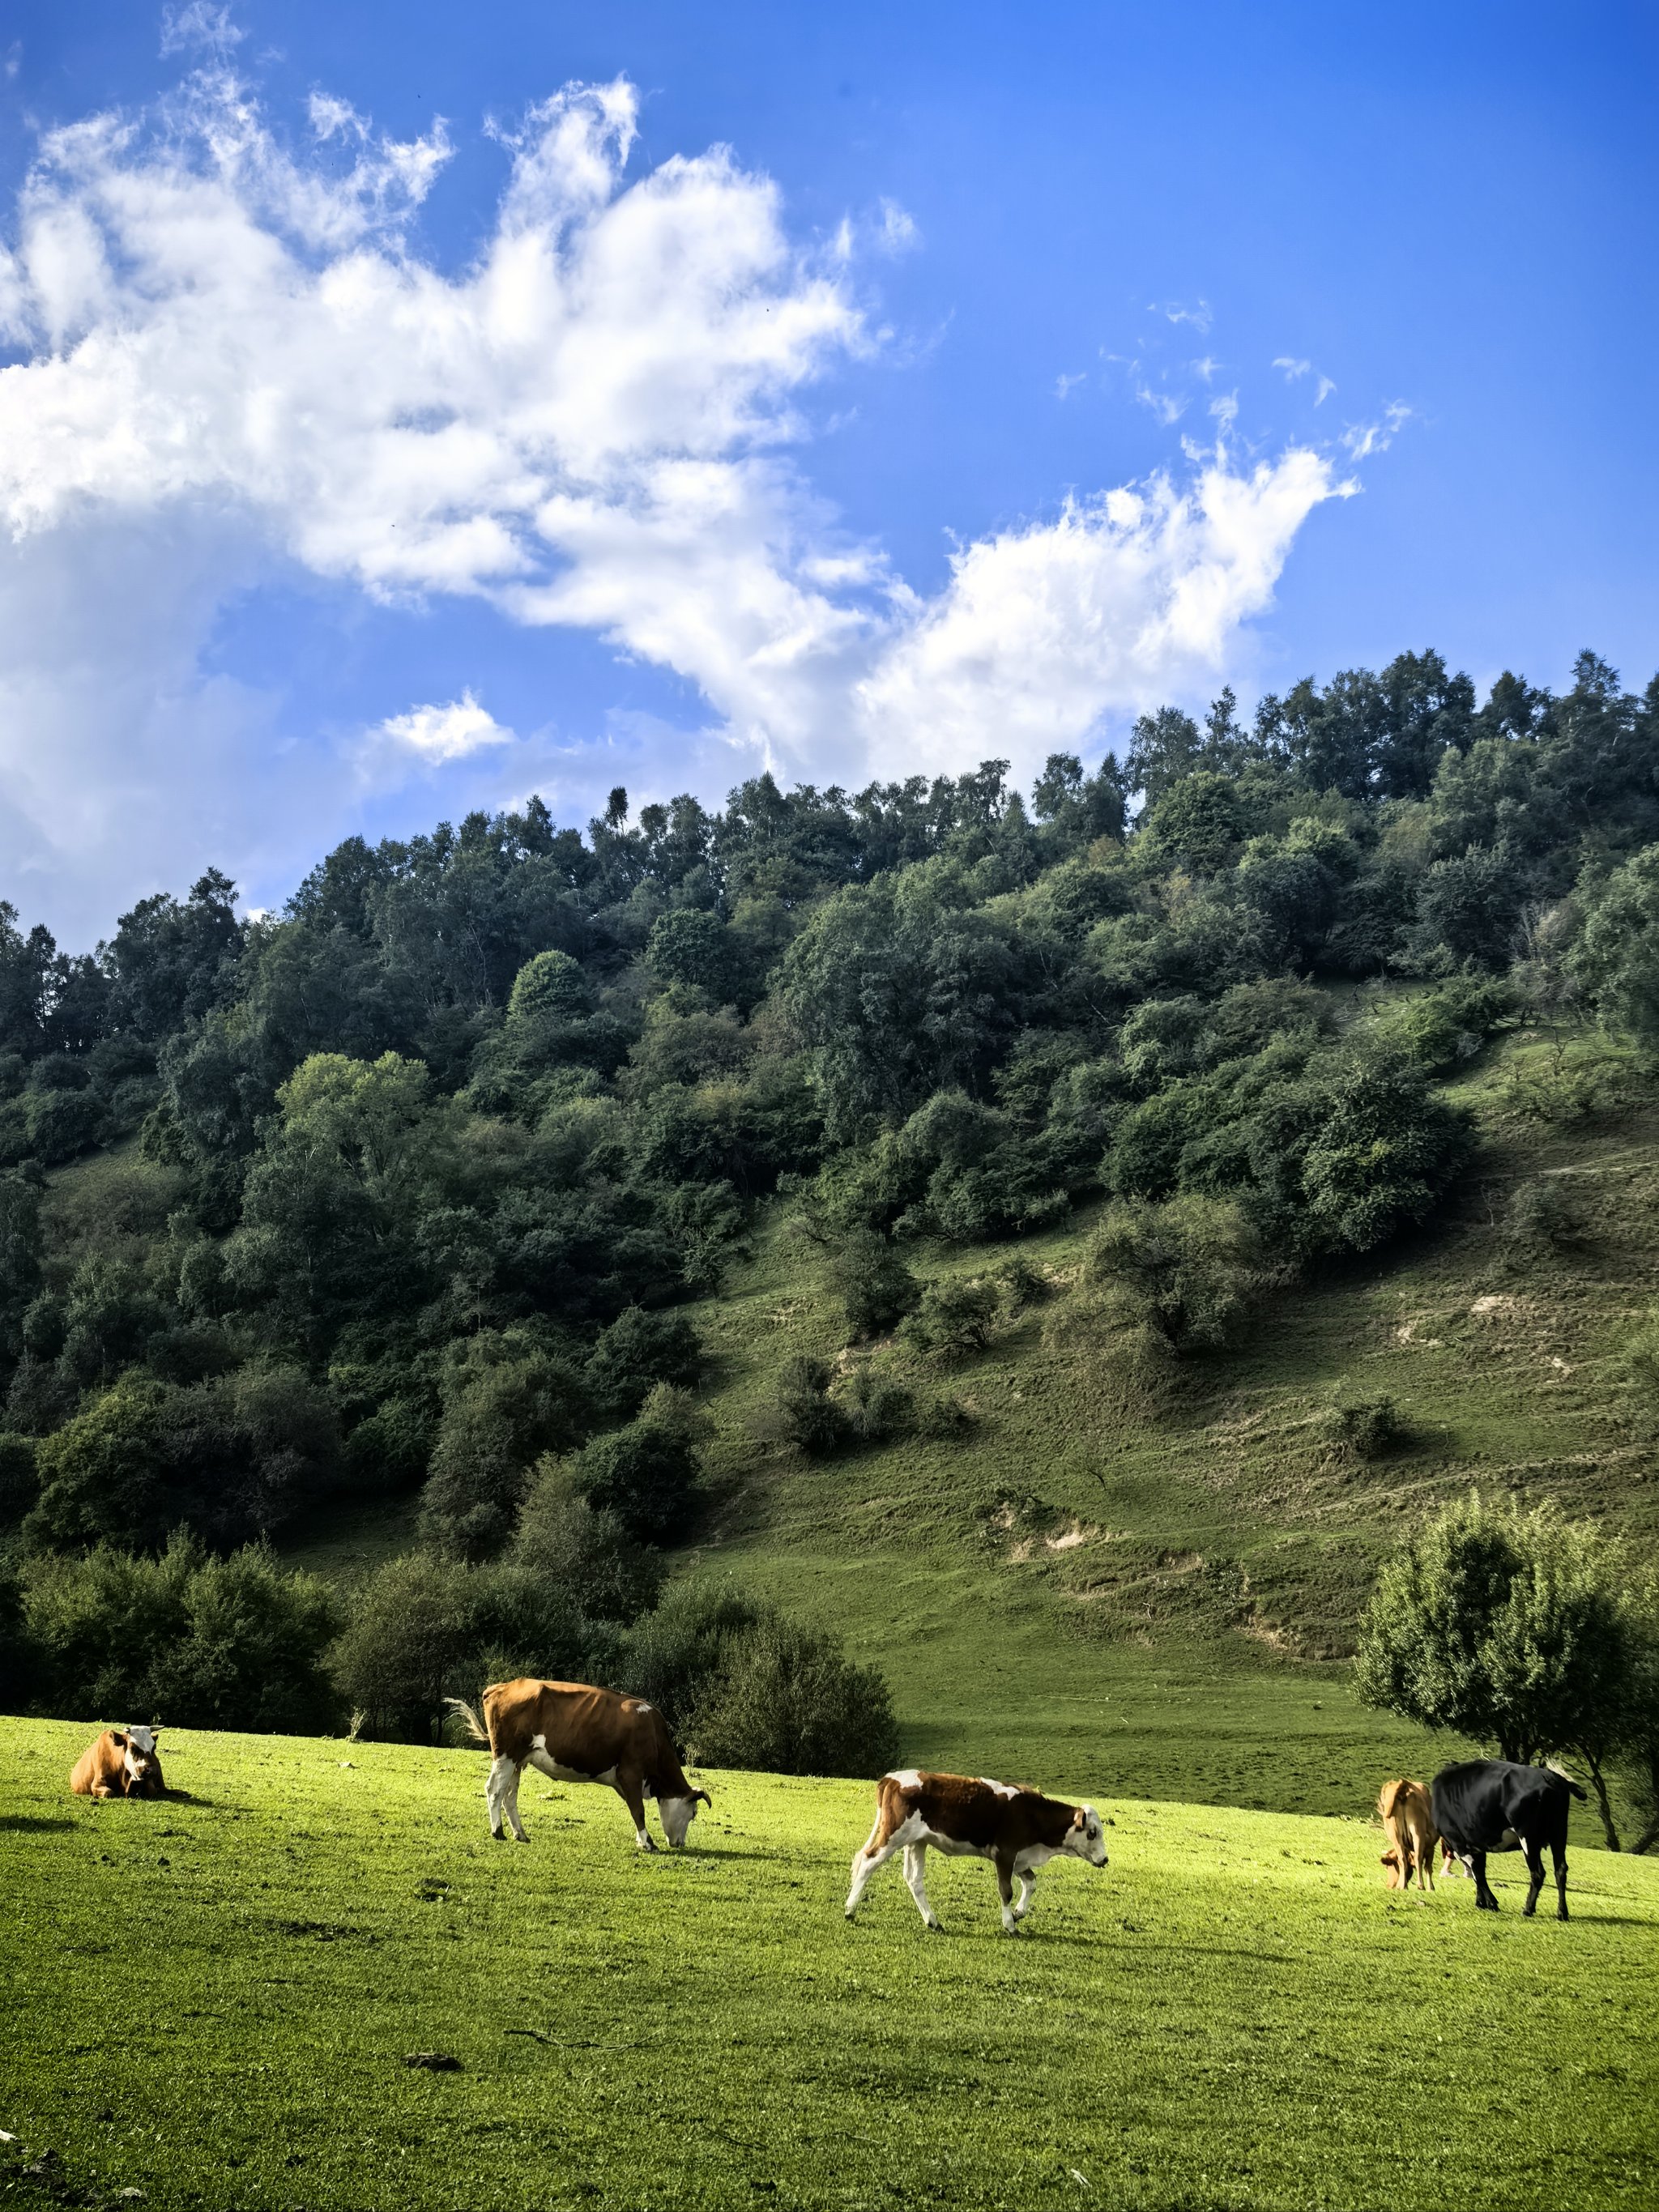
(808, 1416)
(876, 1287)
(1187, 1269)
(954, 1319)
(231, 1643)
(19, 1484)
(1366, 1428)
(788, 1701)
(648, 1473)
(562, 1539)
(1542, 1216)
(878, 1408)
(1571, 1080)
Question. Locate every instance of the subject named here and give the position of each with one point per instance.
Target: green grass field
(212, 2001)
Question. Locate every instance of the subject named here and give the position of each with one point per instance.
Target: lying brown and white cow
(1408, 1819)
(573, 1733)
(1017, 1830)
(122, 1763)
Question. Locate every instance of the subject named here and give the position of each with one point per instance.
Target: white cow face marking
(676, 1815)
(138, 1750)
(1088, 1841)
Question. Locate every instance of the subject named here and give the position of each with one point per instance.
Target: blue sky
(359, 471)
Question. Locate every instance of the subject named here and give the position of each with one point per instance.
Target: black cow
(1492, 1805)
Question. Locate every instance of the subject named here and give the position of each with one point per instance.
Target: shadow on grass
(27, 1824)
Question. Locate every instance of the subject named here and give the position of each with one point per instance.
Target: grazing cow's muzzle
(678, 1813)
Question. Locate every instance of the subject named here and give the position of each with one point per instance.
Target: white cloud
(229, 345)
(437, 735)
(198, 26)
(898, 232)
(1065, 385)
(1198, 314)
(1362, 438)
(1292, 366)
(1326, 386)
(1165, 406)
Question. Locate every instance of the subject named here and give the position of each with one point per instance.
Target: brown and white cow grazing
(577, 1733)
(1017, 1830)
(1408, 1819)
(122, 1763)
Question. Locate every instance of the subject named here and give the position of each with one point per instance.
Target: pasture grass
(212, 2001)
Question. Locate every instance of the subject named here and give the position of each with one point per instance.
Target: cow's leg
(630, 1788)
(1027, 1891)
(1484, 1899)
(1006, 1890)
(1558, 1853)
(1533, 1854)
(502, 1792)
(915, 1874)
(875, 1851)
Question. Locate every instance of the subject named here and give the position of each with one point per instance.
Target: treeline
(430, 1161)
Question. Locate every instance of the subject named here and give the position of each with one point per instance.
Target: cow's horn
(705, 1796)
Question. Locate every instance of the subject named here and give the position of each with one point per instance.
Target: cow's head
(1086, 1839)
(678, 1813)
(140, 1759)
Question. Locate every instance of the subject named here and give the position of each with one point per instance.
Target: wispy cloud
(1292, 366)
(1174, 311)
(1167, 406)
(1363, 437)
(1064, 383)
(199, 27)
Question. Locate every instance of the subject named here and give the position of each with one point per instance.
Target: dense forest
(447, 1144)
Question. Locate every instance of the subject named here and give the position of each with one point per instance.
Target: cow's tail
(474, 1727)
(1581, 1794)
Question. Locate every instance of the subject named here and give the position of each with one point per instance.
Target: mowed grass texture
(212, 2001)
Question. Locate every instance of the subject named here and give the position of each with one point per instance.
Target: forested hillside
(407, 1196)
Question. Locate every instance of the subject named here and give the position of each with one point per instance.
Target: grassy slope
(211, 2002)
(1127, 1662)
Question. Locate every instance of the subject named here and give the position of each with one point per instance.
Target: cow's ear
(117, 1737)
(1080, 1817)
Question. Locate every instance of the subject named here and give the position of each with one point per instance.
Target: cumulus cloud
(444, 733)
(228, 344)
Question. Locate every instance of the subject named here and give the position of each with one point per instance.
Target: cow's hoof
(496, 1837)
(1561, 1912)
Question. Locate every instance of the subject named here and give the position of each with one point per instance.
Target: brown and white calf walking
(1017, 1830)
(122, 1763)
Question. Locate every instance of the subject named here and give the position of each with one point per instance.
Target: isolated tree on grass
(1187, 1268)
(1508, 1626)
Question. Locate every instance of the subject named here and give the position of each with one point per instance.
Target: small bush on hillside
(1571, 1080)
(878, 1408)
(808, 1416)
(1186, 1269)
(648, 1474)
(954, 1319)
(637, 1351)
(1366, 1428)
(1642, 1358)
(562, 1539)
(942, 1418)
(876, 1287)
(1022, 1286)
(788, 1701)
(1542, 1216)
(674, 1653)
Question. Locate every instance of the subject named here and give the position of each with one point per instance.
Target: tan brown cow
(1017, 1830)
(1408, 1819)
(122, 1763)
(574, 1732)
